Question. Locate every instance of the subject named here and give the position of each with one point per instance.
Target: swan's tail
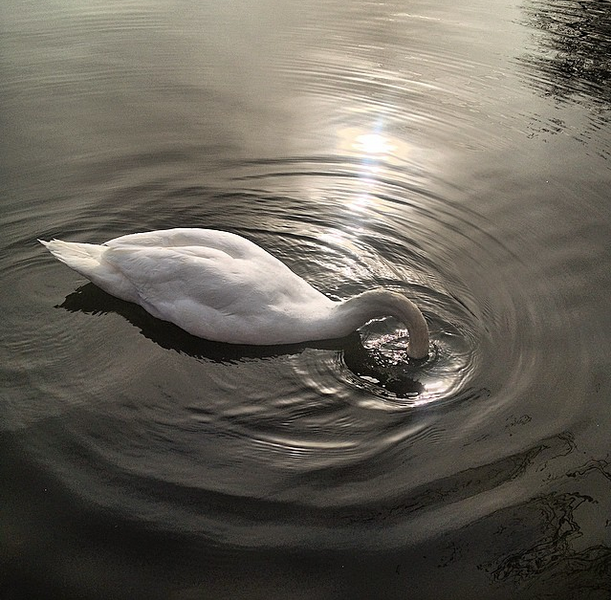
(83, 258)
(90, 261)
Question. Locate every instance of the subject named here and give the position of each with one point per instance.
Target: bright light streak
(373, 143)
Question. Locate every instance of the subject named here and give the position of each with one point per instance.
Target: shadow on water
(92, 300)
(529, 549)
(570, 62)
(545, 549)
(575, 48)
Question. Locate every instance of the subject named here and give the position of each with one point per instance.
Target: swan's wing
(168, 278)
(213, 295)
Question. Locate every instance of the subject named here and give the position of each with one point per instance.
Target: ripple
(572, 57)
(137, 403)
(448, 153)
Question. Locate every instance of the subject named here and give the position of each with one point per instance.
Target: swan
(222, 287)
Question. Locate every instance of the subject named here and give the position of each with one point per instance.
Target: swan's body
(222, 287)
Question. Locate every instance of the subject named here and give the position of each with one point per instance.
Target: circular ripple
(144, 405)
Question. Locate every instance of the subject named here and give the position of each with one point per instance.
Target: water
(457, 154)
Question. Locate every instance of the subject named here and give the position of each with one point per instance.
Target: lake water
(459, 153)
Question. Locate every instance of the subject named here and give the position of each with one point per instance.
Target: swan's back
(214, 284)
(222, 287)
(231, 244)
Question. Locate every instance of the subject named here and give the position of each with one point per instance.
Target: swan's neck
(375, 304)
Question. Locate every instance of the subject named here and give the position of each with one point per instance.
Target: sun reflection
(374, 153)
(360, 202)
(373, 143)
(372, 146)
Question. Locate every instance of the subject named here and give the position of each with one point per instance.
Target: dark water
(459, 153)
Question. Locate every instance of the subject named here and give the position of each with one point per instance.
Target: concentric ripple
(146, 404)
(137, 417)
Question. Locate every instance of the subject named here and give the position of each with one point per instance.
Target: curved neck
(381, 303)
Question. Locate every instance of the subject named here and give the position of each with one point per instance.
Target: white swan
(219, 286)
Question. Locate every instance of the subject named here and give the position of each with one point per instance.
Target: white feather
(222, 287)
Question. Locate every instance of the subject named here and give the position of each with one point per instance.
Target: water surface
(456, 154)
